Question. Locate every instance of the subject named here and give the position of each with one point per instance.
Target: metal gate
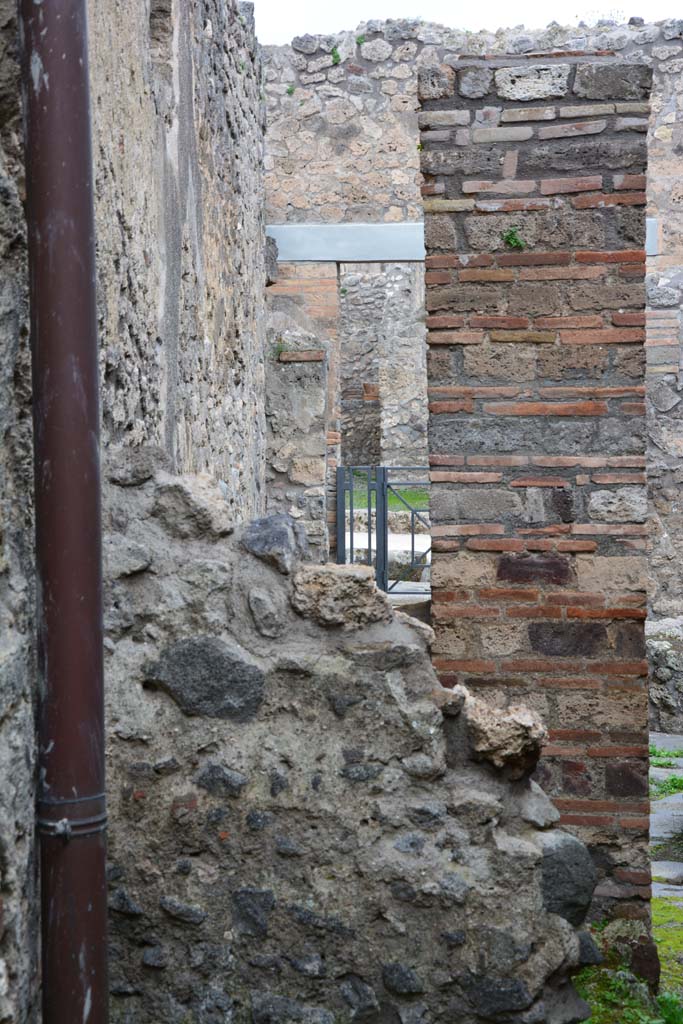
(383, 521)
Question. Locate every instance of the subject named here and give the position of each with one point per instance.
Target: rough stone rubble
(306, 826)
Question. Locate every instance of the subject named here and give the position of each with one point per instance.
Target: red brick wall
(537, 423)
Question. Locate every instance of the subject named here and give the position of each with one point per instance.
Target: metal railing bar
(419, 564)
(352, 517)
(409, 506)
(369, 483)
(409, 483)
(377, 481)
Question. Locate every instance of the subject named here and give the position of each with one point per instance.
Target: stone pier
(535, 227)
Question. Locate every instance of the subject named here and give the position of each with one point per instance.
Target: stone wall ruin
(18, 895)
(240, 827)
(342, 147)
(537, 437)
(305, 825)
(181, 249)
(178, 126)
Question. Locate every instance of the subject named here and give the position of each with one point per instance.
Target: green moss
(336, 56)
(666, 787)
(667, 925)
(617, 997)
(656, 751)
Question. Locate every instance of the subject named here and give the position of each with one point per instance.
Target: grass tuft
(666, 787)
(616, 996)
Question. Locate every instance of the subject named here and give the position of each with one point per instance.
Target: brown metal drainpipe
(71, 804)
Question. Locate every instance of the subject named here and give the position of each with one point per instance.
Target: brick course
(539, 538)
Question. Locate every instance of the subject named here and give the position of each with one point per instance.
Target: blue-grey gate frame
(379, 486)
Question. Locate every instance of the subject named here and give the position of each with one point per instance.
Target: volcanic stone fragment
(401, 980)
(185, 912)
(277, 540)
(251, 910)
(208, 676)
(221, 781)
(568, 876)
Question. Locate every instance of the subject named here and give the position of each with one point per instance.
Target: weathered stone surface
(19, 930)
(268, 612)
(121, 903)
(589, 951)
(305, 44)
(665, 654)
(192, 512)
(183, 912)
(182, 325)
(543, 568)
(269, 785)
(276, 539)
(612, 574)
(622, 505)
(129, 467)
(376, 50)
(209, 677)
(537, 808)
(218, 780)
(435, 82)
(360, 996)
(273, 1009)
(569, 876)
(535, 82)
(565, 640)
(339, 595)
(605, 82)
(401, 979)
(510, 740)
(251, 910)
(475, 83)
(494, 995)
(124, 557)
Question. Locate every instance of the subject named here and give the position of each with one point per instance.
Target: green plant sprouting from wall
(336, 56)
(291, 89)
(512, 238)
(360, 40)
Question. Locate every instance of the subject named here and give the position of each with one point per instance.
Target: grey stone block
(569, 876)
(535, 82)
(475, 83)
(278, 540)
(251, 910)
(612, 81)
(218, 780)
(187, 913)
(208, 676)
(401, 980)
